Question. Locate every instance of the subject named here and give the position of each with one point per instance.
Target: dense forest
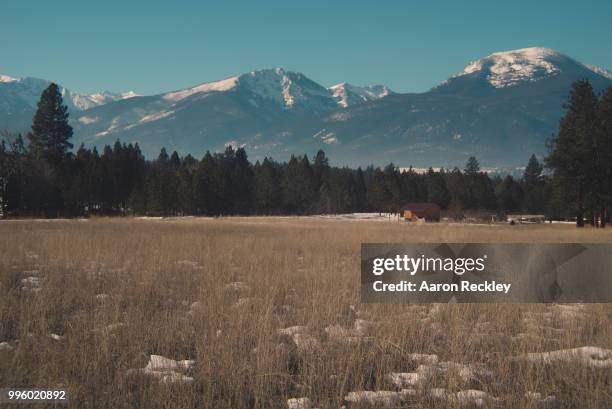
(41, 175)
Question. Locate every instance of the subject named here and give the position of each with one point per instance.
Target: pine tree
(572, 152)
(51, 133)
(378, 194)
(604, 148)
(473, 187)
(472, 166)
(437, 191)
(267, 194)
(393, 187)
(509, 195)
(242, 183)
(361, 191)
(533, 186)
(457, 190)
(298, 186)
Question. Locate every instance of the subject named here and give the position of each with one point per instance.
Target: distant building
(428, 211)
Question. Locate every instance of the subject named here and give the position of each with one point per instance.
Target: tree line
(41, 175)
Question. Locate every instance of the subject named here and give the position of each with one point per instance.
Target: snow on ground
(166, 370)
(591, 356)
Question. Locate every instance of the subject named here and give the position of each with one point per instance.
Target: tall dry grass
(117, 291)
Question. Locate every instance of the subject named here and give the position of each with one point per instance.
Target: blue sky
(153, 46)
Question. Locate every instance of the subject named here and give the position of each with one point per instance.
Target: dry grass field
(257, 311)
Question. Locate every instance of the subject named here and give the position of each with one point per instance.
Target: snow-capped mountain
(516, 68)
(508, 68)
(252, 102)
(347, 94)
(82, 102)
(19, 97)
(285, 89)
(501, 108)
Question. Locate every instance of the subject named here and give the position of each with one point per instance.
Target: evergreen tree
(378, 194)
(185, 189)
(361, 198)
(457, 190)
(572, 149)
(472, 166)
(509, 195)
(533, 186)
(298, 186)
(242, 180)
(604, 154)
(437, 192)
(51, 133)
(393, 201)
(267, 187)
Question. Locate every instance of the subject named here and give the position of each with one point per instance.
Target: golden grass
(299, 271)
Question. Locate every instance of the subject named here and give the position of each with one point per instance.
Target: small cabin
(429, 212)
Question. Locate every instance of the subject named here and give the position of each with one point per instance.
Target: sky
(158, 46)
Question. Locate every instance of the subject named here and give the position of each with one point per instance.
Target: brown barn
(428, 211)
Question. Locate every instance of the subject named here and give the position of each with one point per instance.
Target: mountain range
(501, 108)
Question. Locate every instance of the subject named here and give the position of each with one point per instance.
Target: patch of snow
(600, 71)
(590, 356)
(346, 94)
(86, 120)
(406, 379)
(216, 86)
(86, 101)
(291, 331)
(299, 403)
(472, 396)
(6, 78)
(112, 127)
(156, 116)
(161, 363)
(508, 68)
(379, 399)
(330, 139)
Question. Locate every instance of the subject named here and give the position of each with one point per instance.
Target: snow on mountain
(216, 86)
(289, 90)
(501, 107)
(86, 101)
(601, 71)
(18, 94)
(508, 68)
(6, 78)
(348, 95)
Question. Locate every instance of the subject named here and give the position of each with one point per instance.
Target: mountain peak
(507, 68)
(347, 94)
(529, 52)
(6, 78)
